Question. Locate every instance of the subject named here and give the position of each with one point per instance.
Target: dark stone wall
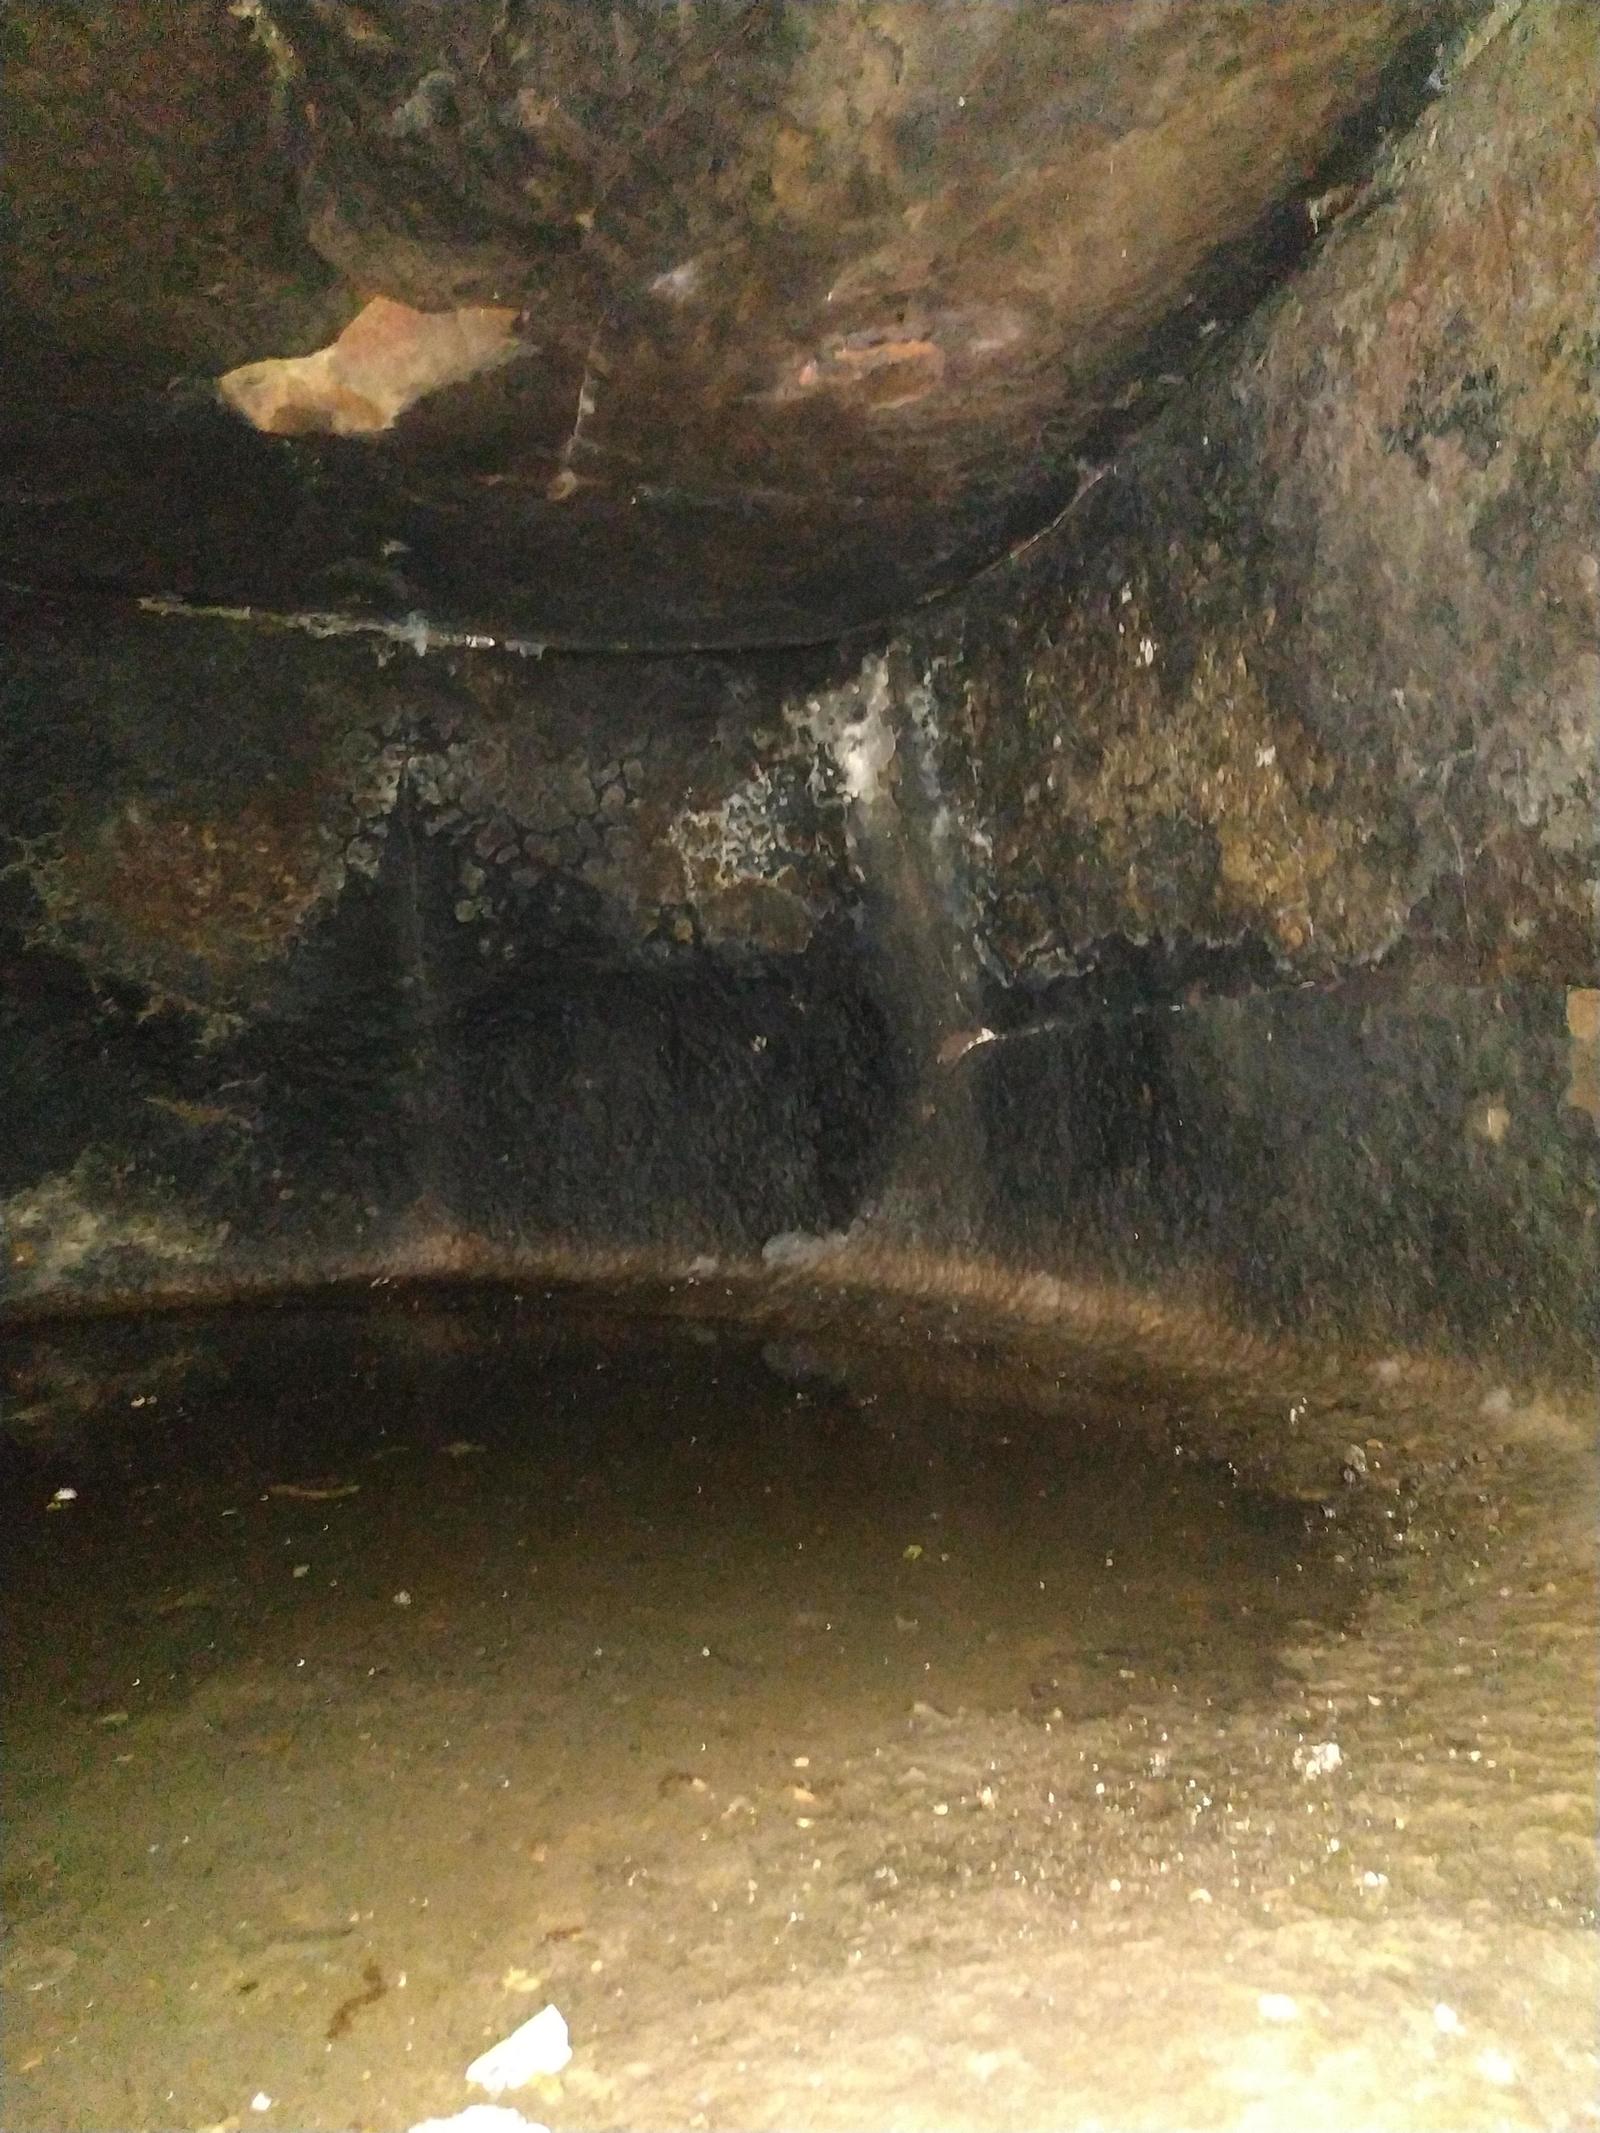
(1314, 668)
(322, 958)
(1267, 781)
(1204, 898)
(1370, 1162)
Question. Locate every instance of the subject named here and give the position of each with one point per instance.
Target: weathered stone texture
(790, 297)
(325, 959)
(1314, 664)
(189, 800)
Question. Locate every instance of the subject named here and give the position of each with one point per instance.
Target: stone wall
(1205, 894)
(1313, 669)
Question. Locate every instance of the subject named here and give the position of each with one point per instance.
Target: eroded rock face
(191, 800)
(1205, 888)
(812, 306)
(1313, 668)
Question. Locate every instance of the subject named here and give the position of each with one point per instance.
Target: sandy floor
(902, 1736)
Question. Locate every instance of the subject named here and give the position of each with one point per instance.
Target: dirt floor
(892, 1721)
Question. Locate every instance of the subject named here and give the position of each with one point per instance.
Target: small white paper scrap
(540, 2046)
(480, 2118)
